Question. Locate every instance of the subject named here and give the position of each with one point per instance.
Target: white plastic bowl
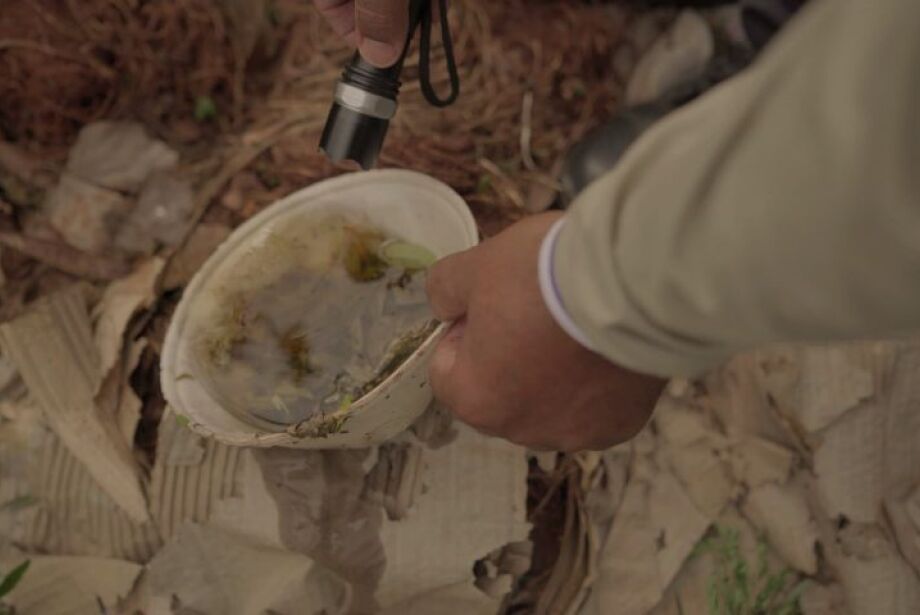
(406, 204)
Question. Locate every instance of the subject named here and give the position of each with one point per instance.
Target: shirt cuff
(550, 290)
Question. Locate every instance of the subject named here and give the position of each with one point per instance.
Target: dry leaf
(874, 576)
(116, 396)
(121, 300)
(902, 454)
(53, 349)
(456, 599)
(161, 214)
(823, 600)
(435, 428)
(679, 56)
(680, 525)
(680, 423)
(189, 259)
(8, 374)
(23, 165)
(575, 568)
(84, 214)
(849, 465)
(394, 479)
(207, 570)
(756, 461)
(629, 559)
(705, 476)
(834, 380)
(247, 22)
(783, 514)
(66, 258)
(118, 155)
(70, 585)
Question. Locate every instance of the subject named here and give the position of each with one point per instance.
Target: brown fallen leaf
(56, 584)
(66, 258)
(159, 216)
(121, 300)
(118, 155)
(86, 215)
(202, 243)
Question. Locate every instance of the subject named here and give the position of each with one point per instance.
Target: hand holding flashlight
(365, 97)
(377, 28)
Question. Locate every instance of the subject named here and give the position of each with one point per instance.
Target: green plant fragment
(405, 255)
(11, 580)
(205, 109)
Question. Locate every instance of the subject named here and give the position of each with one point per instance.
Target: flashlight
(365, 96)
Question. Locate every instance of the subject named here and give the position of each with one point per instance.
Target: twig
(527, 131)
(505, 184)
(66, 258)
(14, 43)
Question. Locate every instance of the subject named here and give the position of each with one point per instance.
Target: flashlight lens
(350, 135)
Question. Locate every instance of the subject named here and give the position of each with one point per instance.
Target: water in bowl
(318, 313)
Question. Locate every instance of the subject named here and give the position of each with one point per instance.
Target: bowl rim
(173, 386)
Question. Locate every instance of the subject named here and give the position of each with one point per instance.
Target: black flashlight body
(365, 102)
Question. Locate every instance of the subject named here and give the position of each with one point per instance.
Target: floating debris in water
(322, 312)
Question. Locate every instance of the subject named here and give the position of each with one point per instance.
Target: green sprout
(19, 503)
(734, 590)
(205, 109)
(9, 583)
(408, 256)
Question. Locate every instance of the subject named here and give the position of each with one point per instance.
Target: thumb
(443, 372)
(450, 282)
(445, 354)
(382, 26)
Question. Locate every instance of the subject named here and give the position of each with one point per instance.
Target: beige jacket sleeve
(781, 206)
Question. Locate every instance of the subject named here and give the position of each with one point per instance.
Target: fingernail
(380, 54)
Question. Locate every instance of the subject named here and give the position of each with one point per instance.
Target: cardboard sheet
(190, 475)
(73, 515)
(456, 599)
(471, 500)
(207, 570)
(459, 502)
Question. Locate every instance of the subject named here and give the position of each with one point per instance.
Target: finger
(382, 26)
(453, 382)
(341, 16)
(450, 282)
(443, 362)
